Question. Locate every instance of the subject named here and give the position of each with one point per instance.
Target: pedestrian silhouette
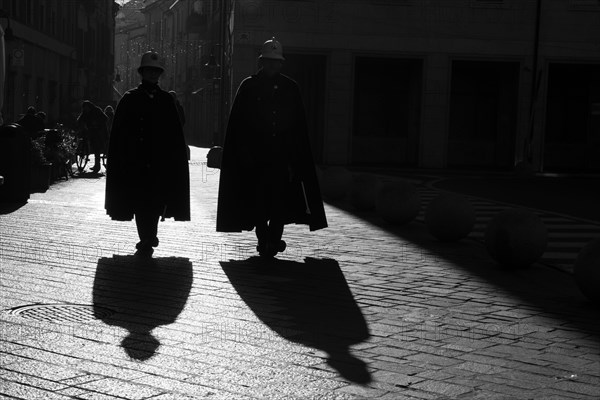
(42, 117)
(32, 124)
(92, 124)
(268, 176)
(110, 115)
(147, 169)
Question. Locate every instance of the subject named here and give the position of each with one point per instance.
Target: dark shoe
(265, 251)
(271, 249)
(95, 169)
(280, 247)
(144, 252)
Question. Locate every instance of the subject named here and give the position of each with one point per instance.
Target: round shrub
(363, 191)
(336, 182)
(449, 217)
(398, 202)
(587, 270)
(516, 238)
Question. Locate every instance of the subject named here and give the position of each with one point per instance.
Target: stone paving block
(520, 379)
(6, 359)
(432, 359)
(491, 359)
(583, 389)
(480, 368)
(87, 395)
(442, 388)
(120, 388)
(362, 391)
(178, 396)
(108, 369)
(45, 370)
(83, 378)
(444, 374)
(161, 384)
(32, 380)
(564, 360)
(396, 379)
(391, 351)
(21, 391)
(383, 363)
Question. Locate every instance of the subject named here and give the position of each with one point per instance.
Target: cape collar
(149, 88)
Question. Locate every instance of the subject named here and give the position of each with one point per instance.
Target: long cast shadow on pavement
(314, 306)
(145, 293)
(577, 196)
(553, 292)
(9, 208)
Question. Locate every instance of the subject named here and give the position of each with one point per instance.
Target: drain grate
(61, 312)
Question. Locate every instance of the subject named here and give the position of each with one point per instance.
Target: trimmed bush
(516, 238)
(587, 270)
(364, 191)
(336, 182)
(398, 202)
(449, 217)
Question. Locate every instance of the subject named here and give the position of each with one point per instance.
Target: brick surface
(358, 310)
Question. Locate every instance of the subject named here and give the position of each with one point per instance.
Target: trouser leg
(96, 160)
(261, 209)
(262, 231)
(275, 231)
(146, 221)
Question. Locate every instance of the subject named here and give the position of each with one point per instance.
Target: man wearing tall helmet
(147, 168)
(268, 176)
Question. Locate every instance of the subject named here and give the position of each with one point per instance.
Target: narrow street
(355, 311)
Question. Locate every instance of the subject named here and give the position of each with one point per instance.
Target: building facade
(60, 53)
(465, 84)
(439, 83)
(186, 33)
(130, 44)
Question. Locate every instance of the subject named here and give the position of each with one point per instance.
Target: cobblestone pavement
(358, 310)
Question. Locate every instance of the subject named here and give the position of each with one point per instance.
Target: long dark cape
(245, 150)
(147, 145)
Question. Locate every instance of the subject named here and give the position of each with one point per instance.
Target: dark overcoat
(147, 159)
(93, 123)
(267, 126)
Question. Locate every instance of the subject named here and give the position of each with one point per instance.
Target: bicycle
(84, 150)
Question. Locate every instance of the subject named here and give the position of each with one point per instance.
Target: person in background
(42, 117)
(92, 122)
(268, 176)
(147, 170)
(32, 124)
(110, 116)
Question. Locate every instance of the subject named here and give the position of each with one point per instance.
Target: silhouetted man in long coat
(92, 122)
(268, 176)
(147, 168)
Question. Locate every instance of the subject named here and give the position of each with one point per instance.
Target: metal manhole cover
(61, 312)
